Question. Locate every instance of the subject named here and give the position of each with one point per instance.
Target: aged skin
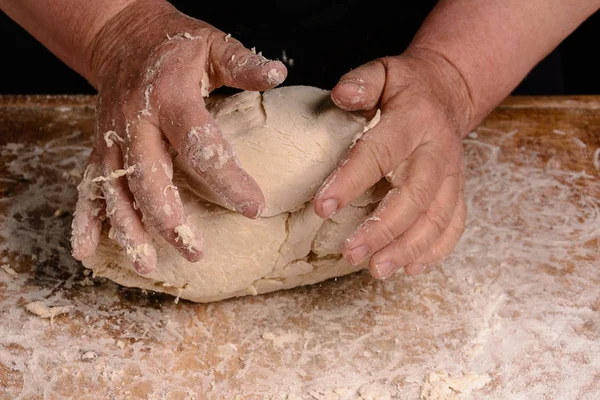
(152, 65)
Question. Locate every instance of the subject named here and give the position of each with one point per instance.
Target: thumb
(241, 68)
(361, 88)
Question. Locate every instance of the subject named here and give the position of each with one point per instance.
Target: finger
(416, 183)
(421, 236)
(445, 244)
(241, 68)
(199, 141)
(361, 88)
(374, 155)
(157, 198)
(89, 211)
(126, 224)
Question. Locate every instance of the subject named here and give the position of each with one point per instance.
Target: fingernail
(143, 269)
(143, 266)
(192, 241)
(352, 93)
(143, 257)
(194, 256)
(357, 254)
(249, 209)
(384, 270)
(330, 206)
(351, 84)
(275, 77)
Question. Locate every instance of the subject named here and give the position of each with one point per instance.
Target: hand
(152, 67)
(417, 146)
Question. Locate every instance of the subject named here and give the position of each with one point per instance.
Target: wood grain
(524, 312)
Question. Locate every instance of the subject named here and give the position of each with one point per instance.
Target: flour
(186, 236)
(205, 85)
(374, 121)
(274, 77)
(116, 174)
(147, 94)
(110, 137)
(579, 142)
(218, 152)
(6, 268)
(369, 392)
(516, 301)
(440, 386)
(40, 309)
(139, 252)
(169, 187)
(188, 35)
(289, 140)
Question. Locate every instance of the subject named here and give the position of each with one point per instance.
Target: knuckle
(155, 216)
(420, 195)
(159, 213)
(379, 156)
(356, 184)
(136, 180)
(412, 252)
(439, 218)
(231, 191)
(112, 198)
(440, 163)
(386, 232)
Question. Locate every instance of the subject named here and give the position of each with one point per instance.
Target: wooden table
(513, 313)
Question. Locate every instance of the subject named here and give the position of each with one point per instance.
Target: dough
(289, 139)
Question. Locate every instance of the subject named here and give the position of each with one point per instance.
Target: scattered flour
(516, 301)
(40, 309)
(205, 85)
(110, 137)
(440, 386)
(7, 268)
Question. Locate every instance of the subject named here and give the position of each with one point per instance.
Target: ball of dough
(289, 139)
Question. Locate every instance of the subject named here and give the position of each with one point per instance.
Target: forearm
(494, 43)
(66, 27)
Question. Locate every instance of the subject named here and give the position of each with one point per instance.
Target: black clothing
(318, 40)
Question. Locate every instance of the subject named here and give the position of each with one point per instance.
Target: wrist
(450, 86)
(123, 35)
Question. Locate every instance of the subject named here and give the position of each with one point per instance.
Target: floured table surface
(513, 313)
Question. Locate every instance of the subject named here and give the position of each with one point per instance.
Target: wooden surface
(513, 313)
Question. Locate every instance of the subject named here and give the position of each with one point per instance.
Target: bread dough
(289, 139)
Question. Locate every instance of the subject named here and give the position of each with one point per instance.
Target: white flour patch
(515, 306)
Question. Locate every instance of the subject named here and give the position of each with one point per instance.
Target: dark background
(324, 38)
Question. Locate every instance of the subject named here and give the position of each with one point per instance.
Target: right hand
(152, 67)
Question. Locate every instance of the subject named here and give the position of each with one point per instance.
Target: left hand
(417, 144)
